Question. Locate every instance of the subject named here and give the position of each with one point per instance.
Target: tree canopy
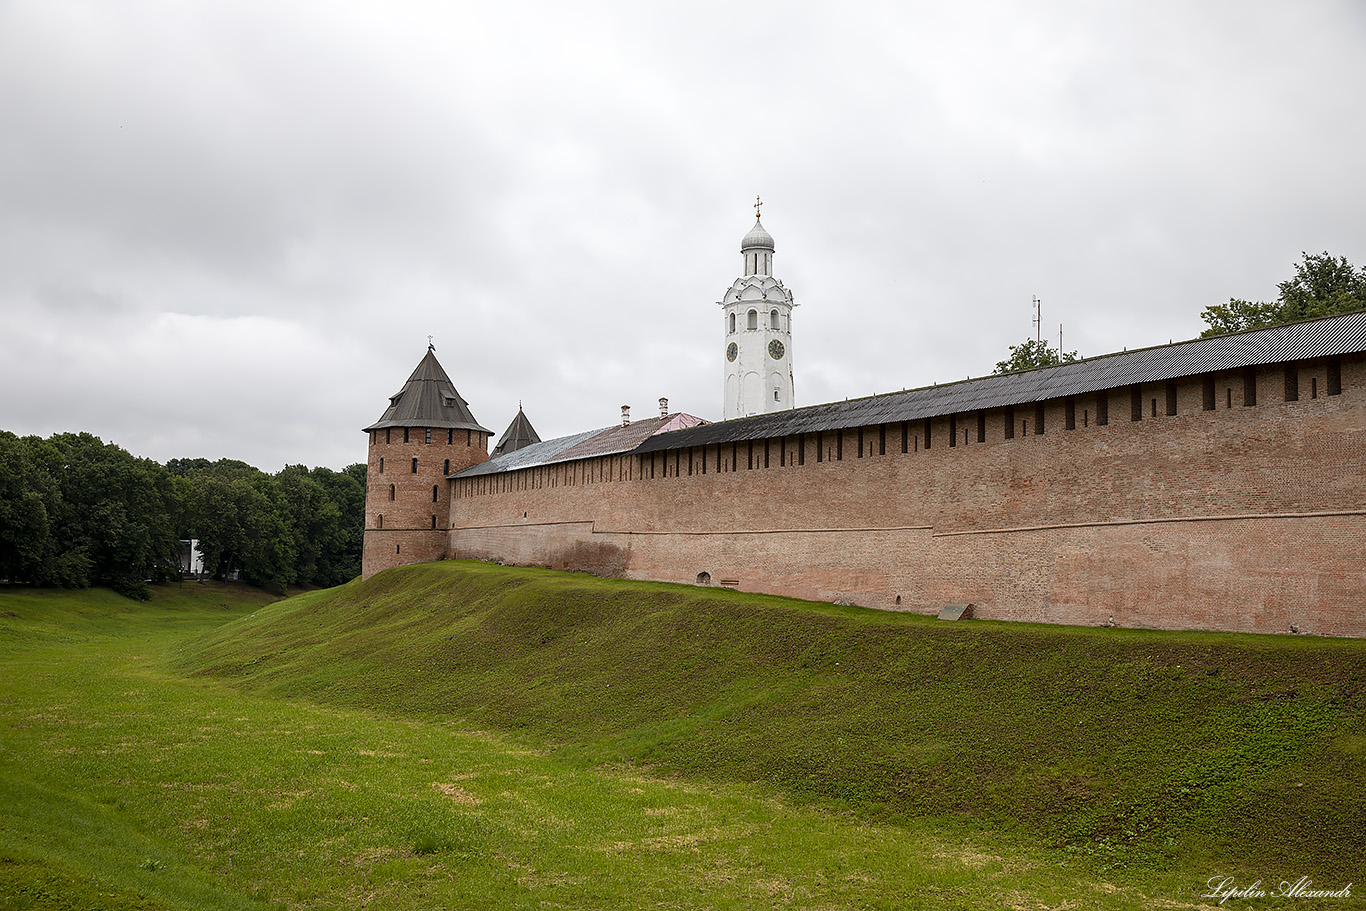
(1322, 286)
(1033, 353)
(75, 511)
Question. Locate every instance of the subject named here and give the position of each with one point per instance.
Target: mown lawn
(465, 737)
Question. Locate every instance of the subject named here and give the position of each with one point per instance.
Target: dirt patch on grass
(370, 857)
(968, 858)
(457, 793)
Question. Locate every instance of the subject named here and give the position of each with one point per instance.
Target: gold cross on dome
(757, 203)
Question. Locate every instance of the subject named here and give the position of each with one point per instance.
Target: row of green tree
(1323, 285)
(76, 511)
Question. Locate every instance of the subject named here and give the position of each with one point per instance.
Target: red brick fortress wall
(1248, 515)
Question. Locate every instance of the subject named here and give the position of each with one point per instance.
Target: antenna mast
(1038, 319)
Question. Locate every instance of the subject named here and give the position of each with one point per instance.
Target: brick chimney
(663, 407)
(625, 415)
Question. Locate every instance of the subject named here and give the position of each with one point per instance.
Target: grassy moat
(459, 735)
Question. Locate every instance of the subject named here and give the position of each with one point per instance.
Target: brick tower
(425, 434)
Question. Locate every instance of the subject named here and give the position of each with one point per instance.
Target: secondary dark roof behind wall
(519, 435)
(428, 399)
(1278, 344)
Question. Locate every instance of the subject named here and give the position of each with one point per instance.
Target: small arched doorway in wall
(704, 578)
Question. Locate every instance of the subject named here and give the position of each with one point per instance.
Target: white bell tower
(758, 332)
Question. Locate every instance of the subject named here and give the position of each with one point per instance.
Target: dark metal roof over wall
(428, 399)
(1278, 344)
(590, 444)
(1295, 342)
(532, 456)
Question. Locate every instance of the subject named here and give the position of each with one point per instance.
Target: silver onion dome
(757, 238)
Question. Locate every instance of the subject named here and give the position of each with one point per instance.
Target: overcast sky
(227, 229)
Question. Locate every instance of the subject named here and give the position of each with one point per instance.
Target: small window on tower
(732, 322)
(773, 319)
(775, 395)
(754, 319)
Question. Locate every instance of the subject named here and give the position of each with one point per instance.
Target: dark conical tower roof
(428, 399)
(519, 435)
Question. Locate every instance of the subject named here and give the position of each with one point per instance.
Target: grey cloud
(205, 205)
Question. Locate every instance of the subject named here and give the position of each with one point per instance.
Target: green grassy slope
(68, 841)
(1236, 753)
(46, 615)
(126, 787)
